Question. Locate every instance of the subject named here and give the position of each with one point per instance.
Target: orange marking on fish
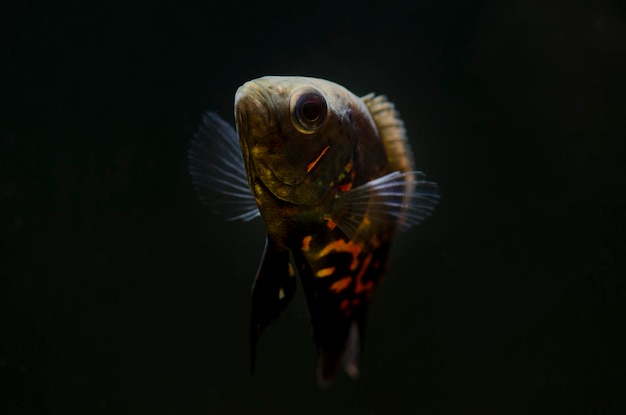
(360, 285)
(314, 162)
(345, 187)
(341, 284)
(325, 272)
(306, 242)
(290, 269)
(340, 245)
(331, 225)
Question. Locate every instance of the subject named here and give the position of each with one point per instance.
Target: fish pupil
(311, 110)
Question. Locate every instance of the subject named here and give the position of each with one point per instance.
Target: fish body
(332, 176)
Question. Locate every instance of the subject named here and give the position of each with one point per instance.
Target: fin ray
(404, 198)
(217, 170)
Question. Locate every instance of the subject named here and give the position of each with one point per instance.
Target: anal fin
(274, 286)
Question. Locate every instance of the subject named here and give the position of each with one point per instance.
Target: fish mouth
(252, 113)
(252, 98)
(249, 101)
(253, 105)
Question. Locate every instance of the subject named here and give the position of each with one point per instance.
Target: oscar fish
(332, 176)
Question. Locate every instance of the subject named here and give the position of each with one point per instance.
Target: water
(122, 294)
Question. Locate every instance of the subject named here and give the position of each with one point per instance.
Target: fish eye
(308, 110)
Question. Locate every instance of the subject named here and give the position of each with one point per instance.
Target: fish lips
(252, 110)
(252, 117)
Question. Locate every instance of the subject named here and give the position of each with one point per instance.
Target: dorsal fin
(392, 132)
(393, 135)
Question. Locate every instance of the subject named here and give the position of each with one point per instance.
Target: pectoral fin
(404, 199)
(217, 170)
(274, 286)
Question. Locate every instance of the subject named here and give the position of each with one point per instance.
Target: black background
(121, 294)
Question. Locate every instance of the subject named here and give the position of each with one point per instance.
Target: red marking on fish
(314, 162)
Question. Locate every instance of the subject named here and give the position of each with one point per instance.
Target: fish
(332, 176)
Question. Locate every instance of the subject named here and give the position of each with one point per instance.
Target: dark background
(121, 294)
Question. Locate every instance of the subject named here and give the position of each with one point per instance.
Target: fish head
(298, 135)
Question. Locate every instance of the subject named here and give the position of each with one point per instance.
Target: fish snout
(252, 110)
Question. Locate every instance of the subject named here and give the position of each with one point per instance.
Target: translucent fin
(351, 355)
(217, 170)
(405, 199)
